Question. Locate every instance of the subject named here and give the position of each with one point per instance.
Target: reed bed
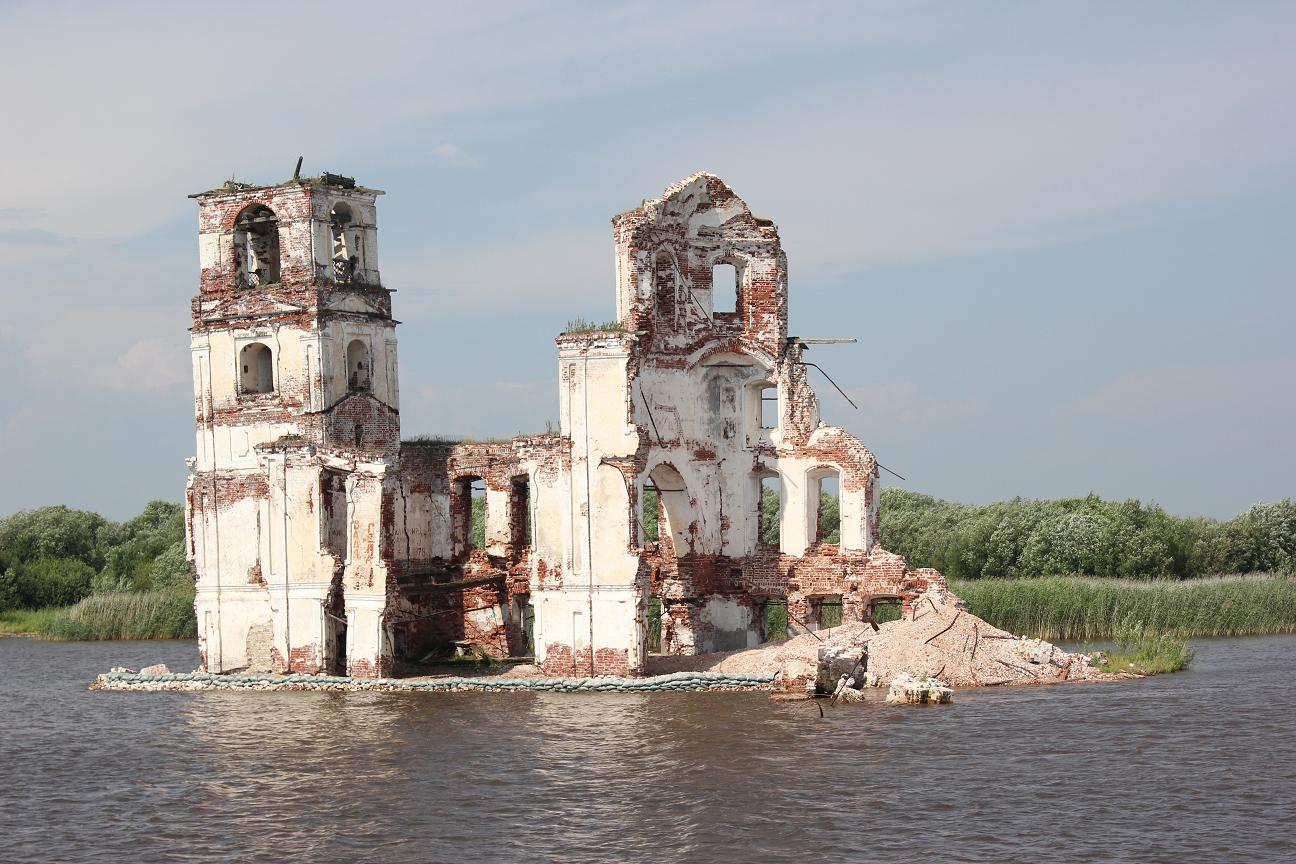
(123, 615)
(1060, 608)
(26, 621)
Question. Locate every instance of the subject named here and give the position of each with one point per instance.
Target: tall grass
(26, 621)
(1146, 653)
(1078, 609)
(120, 615)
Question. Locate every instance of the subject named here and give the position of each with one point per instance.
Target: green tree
(770, 517)
(651, 515)
(52, 582)
(829, 518)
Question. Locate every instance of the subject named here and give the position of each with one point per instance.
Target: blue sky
(1063, 234)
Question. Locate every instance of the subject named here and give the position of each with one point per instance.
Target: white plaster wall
(365, 573)
(713, 405)
(594, 417)
(727, 614)
(551, 526)
(563, 617)
(215, 358)
(379, 337)
(224, 618)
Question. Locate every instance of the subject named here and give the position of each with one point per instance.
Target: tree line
(1084, 536)
(56, 556)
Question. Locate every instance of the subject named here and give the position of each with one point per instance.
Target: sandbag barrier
(672, 683)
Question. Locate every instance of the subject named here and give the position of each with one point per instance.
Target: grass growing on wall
(1078, 609)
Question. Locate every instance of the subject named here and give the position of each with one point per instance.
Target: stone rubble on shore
(677, 682)
(909, 689)
(938, 638)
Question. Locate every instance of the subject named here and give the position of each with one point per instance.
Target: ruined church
(324, 543)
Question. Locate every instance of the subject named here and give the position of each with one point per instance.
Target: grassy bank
(117, 615)
(26, 621)
(1079, 609)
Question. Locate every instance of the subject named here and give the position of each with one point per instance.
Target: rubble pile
(908, 689)
(938, 638)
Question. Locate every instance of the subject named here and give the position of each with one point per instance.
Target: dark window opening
(468, 509)
(256, 247)
(724, 288)
(885, 609)
(346, 245)
(776, 621)
(652, 625)
(256, 369)
(357, 365)
(665, 287)
(827, 611)
(528, 627)
(520, 513)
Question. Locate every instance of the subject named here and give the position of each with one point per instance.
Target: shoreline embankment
(200, 681)
(938, 640)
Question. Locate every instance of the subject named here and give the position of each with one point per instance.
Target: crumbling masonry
(325, 544)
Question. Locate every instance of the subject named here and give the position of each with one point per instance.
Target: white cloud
(141, 349)
(151, 365)
(450, 153)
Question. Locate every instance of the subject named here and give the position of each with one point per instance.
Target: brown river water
(1194, 767)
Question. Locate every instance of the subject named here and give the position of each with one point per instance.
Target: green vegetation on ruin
(582, 325)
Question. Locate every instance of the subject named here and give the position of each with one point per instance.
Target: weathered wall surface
(325, 543)
(297, 413)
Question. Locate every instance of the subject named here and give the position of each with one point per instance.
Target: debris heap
(938, 638)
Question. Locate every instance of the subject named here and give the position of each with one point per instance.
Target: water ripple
(1200, 765)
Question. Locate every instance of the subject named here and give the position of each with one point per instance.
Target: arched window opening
(346, 242)
(256, 369)
(666, 288)
(769, 514)
(724, 289)
(357, 365)
(256, 247)
(676, 510)
(824, 498)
